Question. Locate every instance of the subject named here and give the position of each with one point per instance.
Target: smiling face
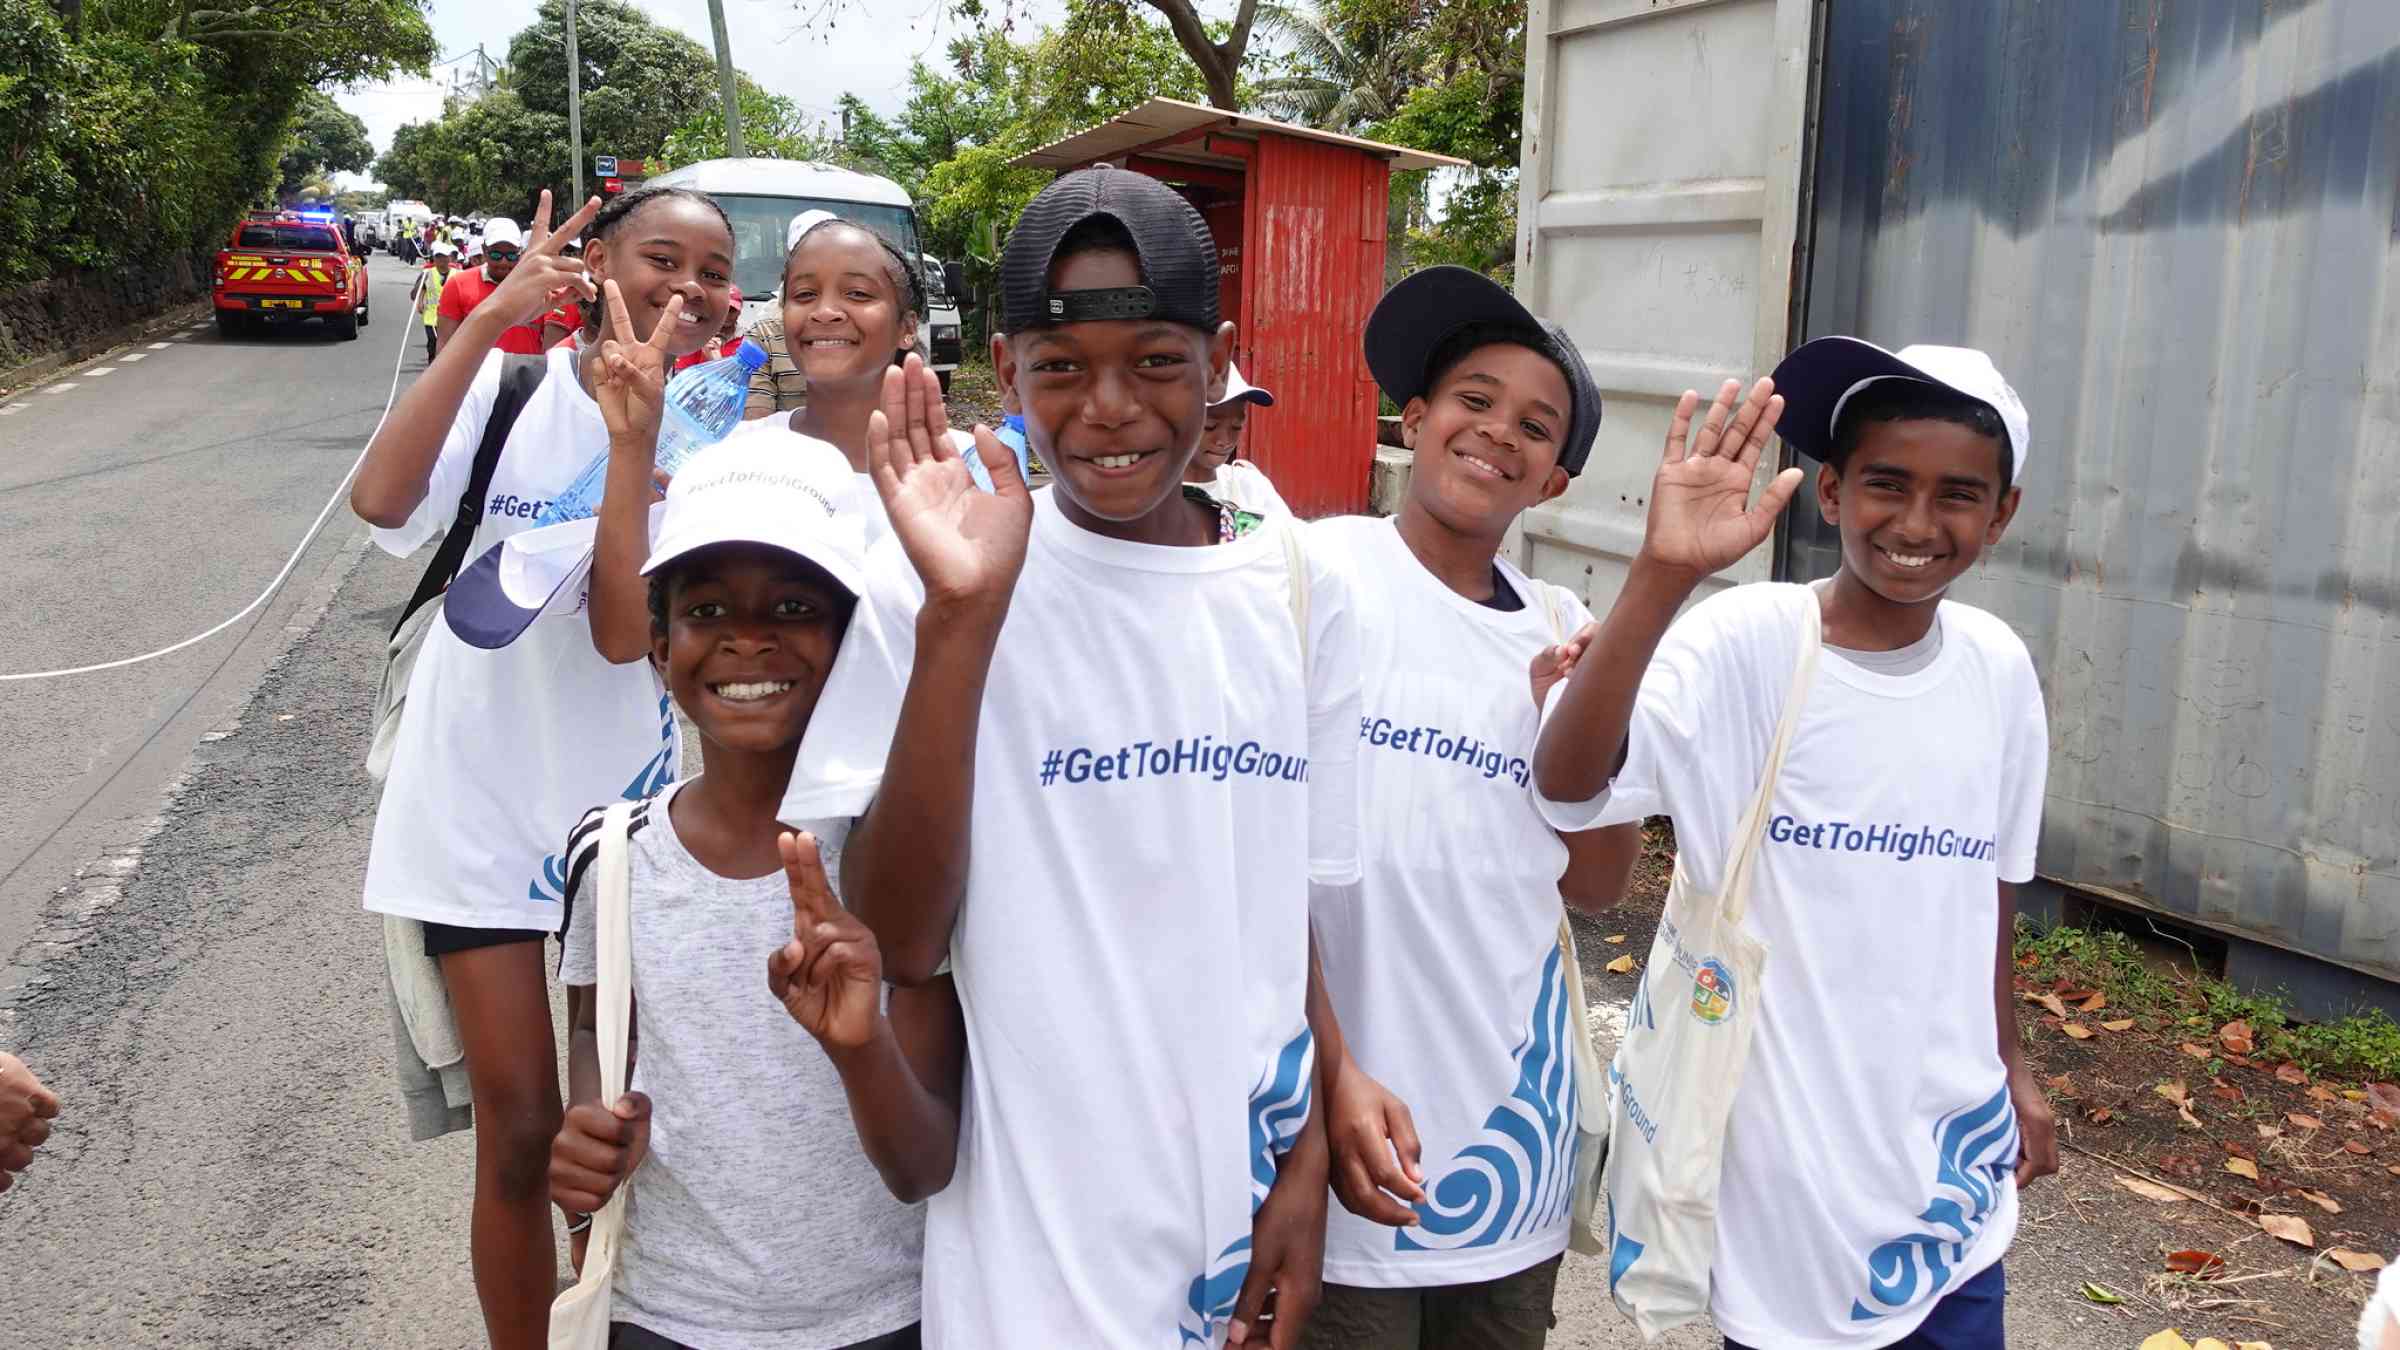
(1220, 441)
(1486, 439)
(751, 633)
(669, 246)
(843, 315)
(500, 260)
(1917, 501)
(1115, 407)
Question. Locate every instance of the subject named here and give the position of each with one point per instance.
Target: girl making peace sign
(499, 747)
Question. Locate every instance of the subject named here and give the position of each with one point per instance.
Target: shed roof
(1170, 129)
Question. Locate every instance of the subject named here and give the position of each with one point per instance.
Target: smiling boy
(1885, 1119)
(1168, 707)
(1445, 961)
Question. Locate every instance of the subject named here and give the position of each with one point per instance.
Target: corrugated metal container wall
(1313, 265)
(2176, 228)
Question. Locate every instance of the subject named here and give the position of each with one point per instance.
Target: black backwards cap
(1423, 311)
(1178, 258)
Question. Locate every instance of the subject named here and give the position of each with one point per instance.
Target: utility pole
(574, 111)
(725, 80)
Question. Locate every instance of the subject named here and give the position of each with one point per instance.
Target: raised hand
(543, 279)
(967, 545)
(1701, 520)
(26, 1110)
(630, 381)
(1552, 664)
(829, 977)
(596, 1148)
(1375, 1150)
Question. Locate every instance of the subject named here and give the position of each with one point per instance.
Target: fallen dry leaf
(2121, 1024)
(2188, 1117)
(2384, 1097)
(2166, 1340)
(2266, 1132)
(2173, 1091)
(2382, 1120)
(2252, 1345)
(2321, 1095)
(1623, 965)
(2093, 1004)
(2225, 1090)
(2072, 993)
(2235, 1036)
(2320, 1199)
(2301, 1120)
(2051, 1002)
(2195, 1263)
(2288, 1072)
(2355, 1262)
(2077, 1031)
(2358, 1146)
(2243, 1060)
(2240, 1150)
(2353, 1095)
(2242, 1167)
(1617, 941)
(2101, 1116)
(2151, 1190)
(2290, 1227)
(2210, 1343)
(2394, 1169)
(2198, 1051)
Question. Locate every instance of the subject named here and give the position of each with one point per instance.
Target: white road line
(158, 346)
(11, 409)
(60, 388)
(135, 356)
(101, 370)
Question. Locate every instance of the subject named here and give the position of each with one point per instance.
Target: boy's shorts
(627, 1336)
(441, 939)
(1966, 1318)
(1509, 1313)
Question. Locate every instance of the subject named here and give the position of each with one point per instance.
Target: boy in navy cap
(1884, 1119)
(1453, 1119)
(1151, 731)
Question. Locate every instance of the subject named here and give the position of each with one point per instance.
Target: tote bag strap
(613, 953)
(1734, 893)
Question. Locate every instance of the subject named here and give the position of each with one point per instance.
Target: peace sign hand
(630, 382)
(966, 544)
(543, 278)
(1701, 521)
(829, 977)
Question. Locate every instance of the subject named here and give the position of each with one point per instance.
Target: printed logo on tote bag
(1713, 992)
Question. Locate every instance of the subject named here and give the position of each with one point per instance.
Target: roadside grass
(2364, 1045)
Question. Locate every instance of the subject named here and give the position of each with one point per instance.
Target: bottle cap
(751, 355)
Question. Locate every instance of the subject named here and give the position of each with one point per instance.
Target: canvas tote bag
(1672, 1084)
(579, 1318)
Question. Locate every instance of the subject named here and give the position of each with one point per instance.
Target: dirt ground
(2325, 1155)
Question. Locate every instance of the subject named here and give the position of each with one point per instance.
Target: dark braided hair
(622, 208)
(907, 280)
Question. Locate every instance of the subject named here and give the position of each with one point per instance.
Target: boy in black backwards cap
(1144, 700)
(1446, 960)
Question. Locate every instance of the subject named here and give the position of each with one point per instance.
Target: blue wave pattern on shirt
(1975, 1152)
(1278, 1109)
(550, 884)
(1518, 1177)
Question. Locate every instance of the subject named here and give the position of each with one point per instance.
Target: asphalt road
(182, 955)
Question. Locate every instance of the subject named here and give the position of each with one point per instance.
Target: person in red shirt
(469, 287)
(727, 333)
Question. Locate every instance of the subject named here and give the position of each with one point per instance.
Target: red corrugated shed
(1299, 219)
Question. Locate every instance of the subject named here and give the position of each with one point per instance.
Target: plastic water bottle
(704, 405)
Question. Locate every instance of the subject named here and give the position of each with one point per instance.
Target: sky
(867, 50)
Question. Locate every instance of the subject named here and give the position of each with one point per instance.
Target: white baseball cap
(799, 497)
(802, 224)
(501, 230)
(1819, 379)
(1239, 390)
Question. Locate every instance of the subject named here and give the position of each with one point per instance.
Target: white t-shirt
(500, 750)
(757, 1222)
(1870, 1161)
(1443, 964)
(1156, 785)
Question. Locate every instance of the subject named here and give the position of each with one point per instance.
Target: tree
(323, 140)
(640, 81)
(773, 127)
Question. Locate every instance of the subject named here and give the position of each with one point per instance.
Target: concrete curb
(40, 369)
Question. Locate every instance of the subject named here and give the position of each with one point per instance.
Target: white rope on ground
(340, 491)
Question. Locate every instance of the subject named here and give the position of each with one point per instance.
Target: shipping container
(2175, 224)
